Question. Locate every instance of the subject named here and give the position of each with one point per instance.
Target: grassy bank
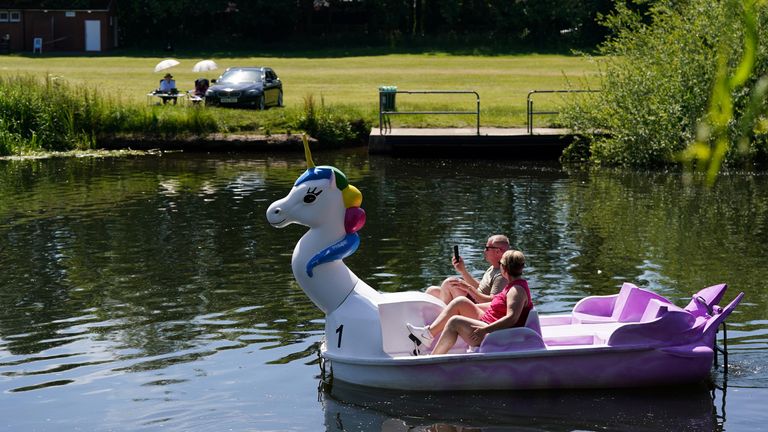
(345, 86)
(49, 114)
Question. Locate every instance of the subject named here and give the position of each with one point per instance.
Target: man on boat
(492, 282)
(472, 322)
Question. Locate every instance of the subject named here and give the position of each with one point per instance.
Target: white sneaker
(421, 335)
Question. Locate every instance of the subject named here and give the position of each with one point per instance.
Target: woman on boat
(471, 321)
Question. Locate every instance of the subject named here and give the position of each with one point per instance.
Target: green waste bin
(387, 97)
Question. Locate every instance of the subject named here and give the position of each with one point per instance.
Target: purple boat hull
(661, 345)
(580, 369)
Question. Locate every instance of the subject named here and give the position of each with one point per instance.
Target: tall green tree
(657, 79)
(239, 24)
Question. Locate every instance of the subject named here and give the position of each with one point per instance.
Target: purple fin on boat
(706, 299)
(714, 322)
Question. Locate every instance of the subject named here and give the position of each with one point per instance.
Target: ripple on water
(152, 293)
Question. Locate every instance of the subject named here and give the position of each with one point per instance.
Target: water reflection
(689, 409)
(159, 275)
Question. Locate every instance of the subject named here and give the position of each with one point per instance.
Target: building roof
(56, 4)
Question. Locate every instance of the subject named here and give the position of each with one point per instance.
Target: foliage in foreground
(43, 115)
(720, 128)
(658, 79)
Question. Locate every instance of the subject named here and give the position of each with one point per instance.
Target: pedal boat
(633, 338)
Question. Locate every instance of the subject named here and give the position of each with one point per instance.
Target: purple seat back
(657, 308)
(515, 338)
(621, 301)
(532, 322)
(631, 307)
(600, 308)
(626, 306)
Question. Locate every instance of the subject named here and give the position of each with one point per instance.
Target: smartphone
(456, 252)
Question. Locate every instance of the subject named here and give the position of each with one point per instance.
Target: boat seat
(396, 309)
(570, 334)
(657, 317)
(656, 309)
(628, 305)
(532, 322)
(516, 338)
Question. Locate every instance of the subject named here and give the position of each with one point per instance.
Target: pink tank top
(498, 308)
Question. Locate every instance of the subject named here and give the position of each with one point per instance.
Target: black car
(257, 87)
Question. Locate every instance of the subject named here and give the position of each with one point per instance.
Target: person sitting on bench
(167, 86)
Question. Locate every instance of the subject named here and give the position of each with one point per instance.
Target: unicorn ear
(307, 153)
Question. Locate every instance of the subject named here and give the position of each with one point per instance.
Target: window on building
(3, 16)
(15, 16)
(69, 14)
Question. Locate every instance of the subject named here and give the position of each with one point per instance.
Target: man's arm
(498, 283)
(458, 264)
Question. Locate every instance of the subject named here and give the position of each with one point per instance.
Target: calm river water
(149, 293)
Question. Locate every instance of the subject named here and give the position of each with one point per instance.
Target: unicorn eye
(312, 195)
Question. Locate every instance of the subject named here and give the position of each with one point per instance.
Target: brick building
(57, 25)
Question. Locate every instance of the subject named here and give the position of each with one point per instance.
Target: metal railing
(529, 104)
(383, 114)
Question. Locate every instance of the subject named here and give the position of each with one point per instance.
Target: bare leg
(446, 291)
(458, 306)
(438, 292)
(461, 306)
(457, 326)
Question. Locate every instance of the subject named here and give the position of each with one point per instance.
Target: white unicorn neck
(355, 313)
(331, 282)
(322, 200)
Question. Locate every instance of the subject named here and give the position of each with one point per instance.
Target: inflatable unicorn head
(323, 200)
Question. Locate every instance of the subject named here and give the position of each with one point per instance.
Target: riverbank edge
(217, 142)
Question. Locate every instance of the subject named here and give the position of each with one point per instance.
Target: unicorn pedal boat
(633, 338)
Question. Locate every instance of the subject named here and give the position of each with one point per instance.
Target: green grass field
(345, 83)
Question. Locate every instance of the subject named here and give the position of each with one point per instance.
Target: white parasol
(166, 64)
(204, 66)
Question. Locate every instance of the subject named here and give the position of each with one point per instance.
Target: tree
(232, 22)
(659, 72)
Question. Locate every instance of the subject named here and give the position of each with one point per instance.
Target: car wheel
(262, 105)
(280, 98)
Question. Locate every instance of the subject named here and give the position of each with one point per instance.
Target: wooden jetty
(517, 143)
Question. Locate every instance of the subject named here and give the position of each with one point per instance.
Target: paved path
(484, 131)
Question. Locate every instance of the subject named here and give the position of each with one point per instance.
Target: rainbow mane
(354, 217)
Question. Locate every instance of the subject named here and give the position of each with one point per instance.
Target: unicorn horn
(307, 153)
